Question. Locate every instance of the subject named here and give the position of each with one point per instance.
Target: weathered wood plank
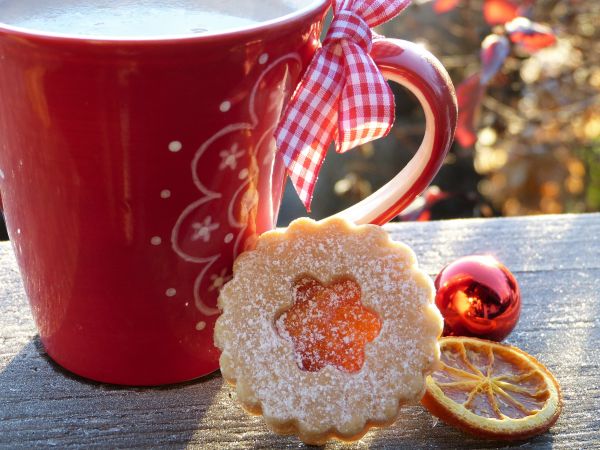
(555, 258)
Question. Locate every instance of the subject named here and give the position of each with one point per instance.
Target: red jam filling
(328, 324)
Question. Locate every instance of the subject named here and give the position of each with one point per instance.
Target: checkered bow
(343, 96)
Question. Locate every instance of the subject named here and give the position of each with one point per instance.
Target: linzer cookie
(327, 328)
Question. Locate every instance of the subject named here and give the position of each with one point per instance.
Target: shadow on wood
(43, 404)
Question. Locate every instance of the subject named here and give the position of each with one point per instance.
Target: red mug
(134, 171)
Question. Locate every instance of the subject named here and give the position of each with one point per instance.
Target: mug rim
(297, 15)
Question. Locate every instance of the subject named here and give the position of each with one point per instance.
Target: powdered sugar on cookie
(258, 352)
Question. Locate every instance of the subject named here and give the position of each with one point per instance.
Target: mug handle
(416, 69)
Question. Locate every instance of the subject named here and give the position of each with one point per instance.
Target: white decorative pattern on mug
(175, 146)
(197, 237)
(204, 229)
(229, 158)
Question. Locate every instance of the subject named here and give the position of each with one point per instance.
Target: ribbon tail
(304, 172)
(309, 123)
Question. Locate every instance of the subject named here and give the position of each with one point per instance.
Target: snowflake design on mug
(200, 237)
(203, 230)
(229, 158)
(219, 280)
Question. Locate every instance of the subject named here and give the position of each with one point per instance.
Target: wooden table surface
(556, 260)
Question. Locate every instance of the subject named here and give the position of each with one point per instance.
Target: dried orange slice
(492, 390)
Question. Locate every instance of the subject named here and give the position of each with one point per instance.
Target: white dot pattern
(225, 106)
(175, 146)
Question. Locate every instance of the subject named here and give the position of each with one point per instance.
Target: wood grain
(556, 260)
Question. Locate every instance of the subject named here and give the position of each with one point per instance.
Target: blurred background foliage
(537, 141)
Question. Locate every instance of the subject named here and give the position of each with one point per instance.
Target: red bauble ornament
(478, 296)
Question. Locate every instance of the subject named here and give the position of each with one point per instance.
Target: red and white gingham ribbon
(343, 96)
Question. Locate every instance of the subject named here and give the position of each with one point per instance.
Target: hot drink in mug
(142, 18)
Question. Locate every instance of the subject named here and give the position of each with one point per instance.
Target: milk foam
(140, 18)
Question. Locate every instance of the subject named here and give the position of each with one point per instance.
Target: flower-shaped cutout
(328, 324)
